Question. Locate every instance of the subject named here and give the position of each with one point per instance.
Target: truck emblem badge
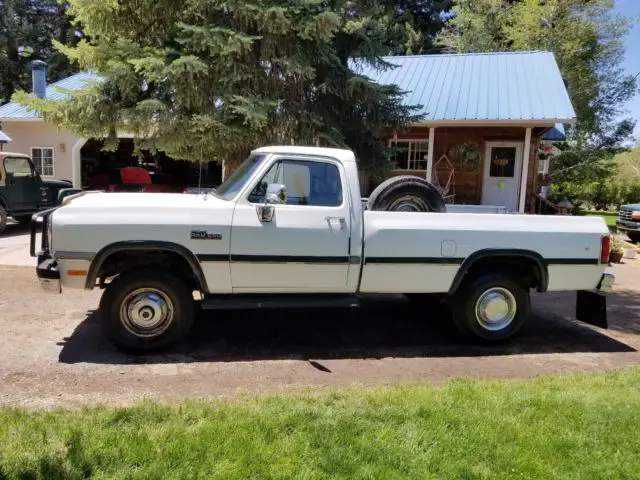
(204, 235)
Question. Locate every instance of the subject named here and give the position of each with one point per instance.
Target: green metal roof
(15, 111)
(500, 86)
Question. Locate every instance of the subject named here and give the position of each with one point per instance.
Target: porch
(480, 165)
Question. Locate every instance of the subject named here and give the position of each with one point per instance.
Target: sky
(631, 8)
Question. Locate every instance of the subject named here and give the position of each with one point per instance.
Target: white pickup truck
(289, 228)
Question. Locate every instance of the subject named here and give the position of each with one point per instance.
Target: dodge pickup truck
(289, 229)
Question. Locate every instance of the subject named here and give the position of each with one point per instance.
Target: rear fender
(542, 273)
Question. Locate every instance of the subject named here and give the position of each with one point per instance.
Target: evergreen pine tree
(212, 79)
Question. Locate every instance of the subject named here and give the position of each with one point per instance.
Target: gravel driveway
(53, 353)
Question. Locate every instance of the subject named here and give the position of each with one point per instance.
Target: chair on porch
(444, 165)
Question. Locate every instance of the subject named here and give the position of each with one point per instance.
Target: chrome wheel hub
(146, 312)
(408, 203)
(495, 309)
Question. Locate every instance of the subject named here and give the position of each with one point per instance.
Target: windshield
(238, 179)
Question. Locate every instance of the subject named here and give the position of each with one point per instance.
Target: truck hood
(92, 220)
(55, 183)
(631, 206)
(139, 201)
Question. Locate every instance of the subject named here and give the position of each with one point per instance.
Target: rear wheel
(634, 236)
(3, 219)
(146, 310)
(406, 193)
(22, 219)
(492, 306)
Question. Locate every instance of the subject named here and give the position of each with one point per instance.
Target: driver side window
(307, 183)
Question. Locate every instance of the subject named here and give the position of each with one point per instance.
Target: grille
(44, 244)
(625, 214)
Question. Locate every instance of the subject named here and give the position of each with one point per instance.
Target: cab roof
(341, 154)
(11, 154)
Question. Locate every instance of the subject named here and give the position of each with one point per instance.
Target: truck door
(22, 184)
(305, 246)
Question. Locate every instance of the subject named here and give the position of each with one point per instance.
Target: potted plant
(616, 252)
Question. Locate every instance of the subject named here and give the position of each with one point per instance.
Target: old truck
(289, 229)
(628, 221)
(22, 191)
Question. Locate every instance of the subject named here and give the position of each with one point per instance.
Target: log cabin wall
(467, 179)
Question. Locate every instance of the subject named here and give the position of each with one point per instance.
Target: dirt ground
(53, 354)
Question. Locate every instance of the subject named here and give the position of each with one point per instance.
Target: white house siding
(25, 135)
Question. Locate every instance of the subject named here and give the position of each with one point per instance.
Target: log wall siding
(468, 181)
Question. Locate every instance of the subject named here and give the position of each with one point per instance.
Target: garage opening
(102, 170)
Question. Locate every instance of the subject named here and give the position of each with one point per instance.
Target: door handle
(336, 222)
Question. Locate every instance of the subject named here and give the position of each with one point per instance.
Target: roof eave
(21, 119)
(543, 122)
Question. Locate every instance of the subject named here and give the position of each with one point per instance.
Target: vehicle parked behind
(23, 191)
(629, 221)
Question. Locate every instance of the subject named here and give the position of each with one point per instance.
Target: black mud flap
(591, 308)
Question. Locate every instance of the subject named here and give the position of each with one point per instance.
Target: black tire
(169, 291)
(23, 219)
(634, 236)
(504, 287)
(406, 193)
(3, 219)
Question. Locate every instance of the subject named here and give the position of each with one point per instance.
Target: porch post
(76, 162)
(430, 154)
(525, 171)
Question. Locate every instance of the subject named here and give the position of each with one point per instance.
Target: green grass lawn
(584, 426)
(609, 217)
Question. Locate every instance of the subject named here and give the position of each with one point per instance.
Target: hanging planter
(468, 155)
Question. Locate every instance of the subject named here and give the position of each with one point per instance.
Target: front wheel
(3, 219)
(146, 310)
(492, 306)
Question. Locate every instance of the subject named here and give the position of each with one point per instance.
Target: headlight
(635, 215)
(49, 231)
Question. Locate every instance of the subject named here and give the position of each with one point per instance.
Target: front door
(22, 184)
(305, 247)
(502, 171)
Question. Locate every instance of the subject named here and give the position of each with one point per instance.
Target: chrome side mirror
(276, 195)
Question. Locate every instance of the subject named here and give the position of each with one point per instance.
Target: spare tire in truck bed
(406, 193)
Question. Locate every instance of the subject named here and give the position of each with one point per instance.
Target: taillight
(605, 248)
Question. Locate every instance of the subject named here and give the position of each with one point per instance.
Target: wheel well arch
(532, 262)
(170, 251)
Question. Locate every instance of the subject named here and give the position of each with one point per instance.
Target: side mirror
(276, 195)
